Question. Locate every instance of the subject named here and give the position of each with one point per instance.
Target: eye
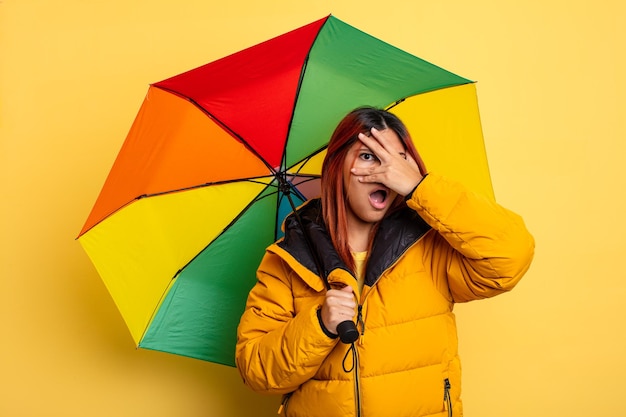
(367, 156)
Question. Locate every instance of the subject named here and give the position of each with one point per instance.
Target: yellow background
(551, 91)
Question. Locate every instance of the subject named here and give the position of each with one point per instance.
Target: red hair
(333, 194)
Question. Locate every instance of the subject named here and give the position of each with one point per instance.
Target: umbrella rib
(430, 90)
(303, 162)
(192, 187)
(308, 179)
(259, 197)
(255, 180)
(157, 307)
(298, 89)
(391, 106)
(177, 274)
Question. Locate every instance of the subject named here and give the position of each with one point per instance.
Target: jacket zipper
(391, 265)
(447, 400)
(283, 404)
(361, 322)
(357, 387)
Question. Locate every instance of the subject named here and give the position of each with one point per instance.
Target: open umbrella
(197, 191)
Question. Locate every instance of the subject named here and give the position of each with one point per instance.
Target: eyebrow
(365, 148)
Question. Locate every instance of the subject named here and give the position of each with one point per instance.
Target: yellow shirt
(359, 263)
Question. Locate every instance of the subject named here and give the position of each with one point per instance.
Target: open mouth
(378, 198)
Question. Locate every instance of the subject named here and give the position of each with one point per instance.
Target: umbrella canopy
(197, 191)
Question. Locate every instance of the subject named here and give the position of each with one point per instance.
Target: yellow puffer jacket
(447, 246)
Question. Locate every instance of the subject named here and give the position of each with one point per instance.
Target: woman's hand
(339, 306)
(396, 170)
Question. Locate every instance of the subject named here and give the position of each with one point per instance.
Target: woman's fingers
(342, 298)
(376, 143)
(396, 169)
(339, 305)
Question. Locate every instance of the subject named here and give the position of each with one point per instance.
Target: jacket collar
(307, 240)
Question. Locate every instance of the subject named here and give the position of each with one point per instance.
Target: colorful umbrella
(198, 189)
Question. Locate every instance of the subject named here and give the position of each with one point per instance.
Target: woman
(398, 248)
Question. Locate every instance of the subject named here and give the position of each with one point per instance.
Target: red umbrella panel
(199, 187)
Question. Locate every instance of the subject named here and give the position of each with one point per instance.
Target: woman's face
(367, 203)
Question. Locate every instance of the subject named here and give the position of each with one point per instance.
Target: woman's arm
(487, 248)
(278, 348)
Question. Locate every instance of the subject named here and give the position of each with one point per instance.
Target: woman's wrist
(410, 195)
(324, 329)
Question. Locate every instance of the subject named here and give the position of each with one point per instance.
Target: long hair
(334, 194)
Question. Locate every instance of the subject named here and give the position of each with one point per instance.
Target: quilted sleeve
(278, 350)
(481, 248)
